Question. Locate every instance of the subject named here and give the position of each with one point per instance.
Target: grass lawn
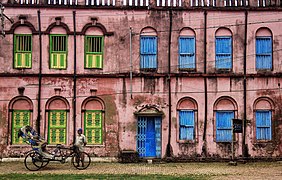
(37, 176)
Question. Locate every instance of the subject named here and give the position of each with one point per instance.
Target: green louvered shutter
(94, 46)
(93, 126)
(20, 118)
(58, 51)
(22, 50)
(57, 127)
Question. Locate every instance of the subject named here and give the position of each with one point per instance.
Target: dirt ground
(258, 170)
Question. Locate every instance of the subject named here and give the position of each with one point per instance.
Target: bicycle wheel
(81, 160)
(33, 161)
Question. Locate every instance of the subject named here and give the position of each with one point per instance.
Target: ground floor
(119, 114)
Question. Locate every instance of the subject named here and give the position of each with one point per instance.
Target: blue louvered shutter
(148, 52)
(263, 53)
(224, 126)
(263, 125)
(187, 53)
(186, 124)
(223, 51)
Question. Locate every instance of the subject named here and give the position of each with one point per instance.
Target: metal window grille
(94, 46)
(22, 51)
(58, 51)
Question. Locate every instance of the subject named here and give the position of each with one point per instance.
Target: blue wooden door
(149, 137)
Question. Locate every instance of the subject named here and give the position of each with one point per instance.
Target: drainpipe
(40, 73)
(74, 76)
(169, 148)
(204, 148)
(130, 52)
(244, 146)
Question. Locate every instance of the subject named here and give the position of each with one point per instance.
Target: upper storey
(146, 3)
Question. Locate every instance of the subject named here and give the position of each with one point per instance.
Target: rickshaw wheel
(33, 161)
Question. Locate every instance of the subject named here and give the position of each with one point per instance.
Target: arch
(19, 24)
(187, 103)
(58, 103)
(97, 25)
(263, 31)
(186, 31)
(263, 103)
(93, 103)
(223, 31)
(55, 24)
(225, 103)
(148, 31)
(21, 103)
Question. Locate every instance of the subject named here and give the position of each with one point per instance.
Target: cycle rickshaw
(37, 158)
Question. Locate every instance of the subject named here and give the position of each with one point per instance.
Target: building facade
(163, 78)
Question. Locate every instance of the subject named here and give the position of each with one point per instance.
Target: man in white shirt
(80, 142)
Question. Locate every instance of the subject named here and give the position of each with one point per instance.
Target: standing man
(80, 142)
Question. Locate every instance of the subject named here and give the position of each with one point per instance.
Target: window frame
(270, 54)
(153, 66)
(229, 128)
(57, 127)
(189, 54)
(51, 52)
(101, 127)
(187, 126)
(219, 54)
(15, 128)
(93, 53)
(16, 51)
(264, 126)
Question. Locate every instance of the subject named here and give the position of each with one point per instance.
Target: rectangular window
(186, 123)
(57, 127)
(224, 126)
(93, 126)
(263, 125)
(187, 53)
(20, 118)
(263, 53)
(148, 52)
(223, 52)
(58, 51)
(94, 46)
(22, 50)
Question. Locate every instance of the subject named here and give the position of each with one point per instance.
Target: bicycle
(35, 160)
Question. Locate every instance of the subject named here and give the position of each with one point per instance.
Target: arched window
(223, 49)
(263, 49)
(263, 118)
(21, 115)
(186, 49)
(148, 49)
(225, 109)
(93, 123)
(94, 48)
(187, 115)
(22, 47)
(58, 47)
(57, 109)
